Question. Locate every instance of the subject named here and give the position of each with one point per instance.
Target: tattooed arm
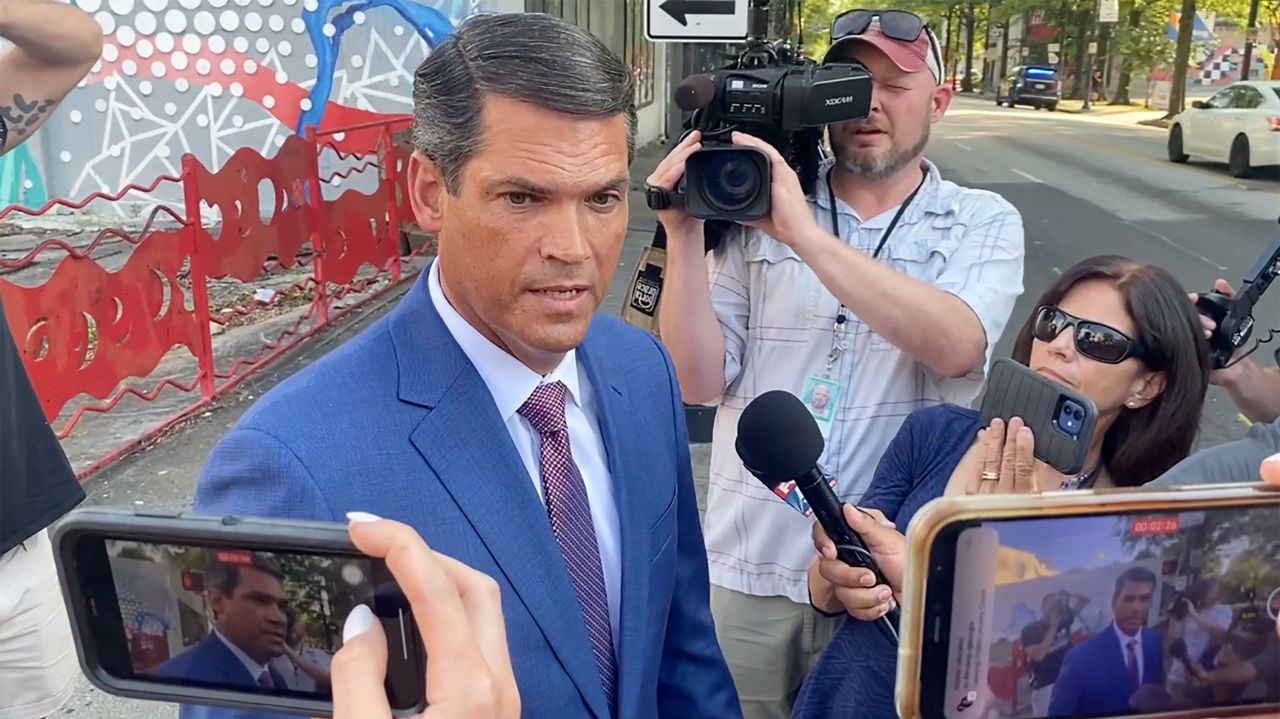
(54, 45)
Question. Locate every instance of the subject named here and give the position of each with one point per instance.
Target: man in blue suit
(493, 411)
(248, 604)
(1101, 675)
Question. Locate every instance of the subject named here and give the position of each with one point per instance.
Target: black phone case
(1015, 390)
(277, 535)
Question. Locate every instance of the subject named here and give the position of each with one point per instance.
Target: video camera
(1234, 315)
(771, 92)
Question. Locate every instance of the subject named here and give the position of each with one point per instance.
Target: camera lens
(732, 181)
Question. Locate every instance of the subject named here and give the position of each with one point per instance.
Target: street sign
(1093, 48)
(695, 20)
(1108, 10)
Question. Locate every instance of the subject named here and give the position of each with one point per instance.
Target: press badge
(821, 397)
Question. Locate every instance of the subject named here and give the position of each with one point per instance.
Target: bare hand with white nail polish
(459, 612)
(836, 586)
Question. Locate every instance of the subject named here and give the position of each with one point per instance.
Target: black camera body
(1234, 315)
(770, 92)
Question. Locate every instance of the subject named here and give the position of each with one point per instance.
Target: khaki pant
(38, 663)
(771, 644)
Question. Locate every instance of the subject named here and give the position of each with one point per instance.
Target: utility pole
(1088, 65)
(1250, 38)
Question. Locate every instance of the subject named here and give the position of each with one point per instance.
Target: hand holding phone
(461, 610)
(1004, 462)
(1061, 420)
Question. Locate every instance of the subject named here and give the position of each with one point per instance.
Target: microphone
(695, 92)
(779, 442)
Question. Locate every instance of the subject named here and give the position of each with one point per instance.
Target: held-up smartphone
(1023, 606)
(1061, 419)
(226, 611)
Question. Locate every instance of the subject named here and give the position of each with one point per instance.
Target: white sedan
(1240, 125)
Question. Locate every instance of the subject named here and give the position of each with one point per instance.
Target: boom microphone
(695, 92)
(779, 442)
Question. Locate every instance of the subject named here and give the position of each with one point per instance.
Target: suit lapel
(624, 456)
(466, 444)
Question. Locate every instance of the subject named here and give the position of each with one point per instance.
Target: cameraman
(54, 45)
(888, 288)
(1256, 392)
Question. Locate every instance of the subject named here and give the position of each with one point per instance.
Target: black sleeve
(37, 482)
(1033, 634)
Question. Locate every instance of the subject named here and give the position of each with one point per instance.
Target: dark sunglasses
(1093, 339)
(896, 24)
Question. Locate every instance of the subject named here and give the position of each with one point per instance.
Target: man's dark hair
(1135, 575)
(1146, 442)
(529, 57)
(225, 576)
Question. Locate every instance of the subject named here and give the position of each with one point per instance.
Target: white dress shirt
(255, 669)
(510, 382)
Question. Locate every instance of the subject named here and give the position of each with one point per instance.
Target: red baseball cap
(922, 54)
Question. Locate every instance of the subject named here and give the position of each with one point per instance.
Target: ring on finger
(990, 476)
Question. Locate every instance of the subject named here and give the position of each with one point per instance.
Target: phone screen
(1110, 615)
(235, 618)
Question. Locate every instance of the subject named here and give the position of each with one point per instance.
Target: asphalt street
(1084, 185)
(1093, 185)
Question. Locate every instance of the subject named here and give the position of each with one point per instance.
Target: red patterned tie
(570, 515)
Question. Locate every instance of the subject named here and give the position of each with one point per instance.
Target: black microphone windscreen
(778, 439)
(695, 92)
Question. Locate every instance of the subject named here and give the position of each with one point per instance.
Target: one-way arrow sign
(695, 20)
(679, 10)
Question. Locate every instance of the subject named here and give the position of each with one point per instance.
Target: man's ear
(941, 101)
(426, 192)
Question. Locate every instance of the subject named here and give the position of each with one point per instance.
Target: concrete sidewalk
(164, 475)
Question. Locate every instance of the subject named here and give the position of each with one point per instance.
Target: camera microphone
(695, 92)
(779, 442)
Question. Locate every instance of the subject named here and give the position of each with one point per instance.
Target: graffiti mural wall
(211, 76)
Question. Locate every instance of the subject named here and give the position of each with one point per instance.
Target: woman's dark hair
(1144, 443)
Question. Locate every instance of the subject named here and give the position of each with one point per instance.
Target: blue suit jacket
(1094, 680)
(398, 422)
(211, 661)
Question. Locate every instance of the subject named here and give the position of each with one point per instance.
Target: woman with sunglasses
(1119, 332)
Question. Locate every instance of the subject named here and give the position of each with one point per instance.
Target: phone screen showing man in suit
(1115, 615)
(232, 618)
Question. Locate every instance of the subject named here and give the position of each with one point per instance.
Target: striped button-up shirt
(778, 324)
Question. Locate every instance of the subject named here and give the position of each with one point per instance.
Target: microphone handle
(850, 548)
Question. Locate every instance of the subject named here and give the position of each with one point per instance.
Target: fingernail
(868, 581)
(363, 517)
(359, 621)
(885, 594)
(1025, 431)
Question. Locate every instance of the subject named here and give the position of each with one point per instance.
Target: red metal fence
(92, 338)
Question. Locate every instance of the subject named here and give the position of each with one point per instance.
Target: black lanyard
(835, 223)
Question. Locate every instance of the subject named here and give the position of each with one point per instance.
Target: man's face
(1132, 606)
(253, 616)
(821, 395)
(904, 107)
(530, 242)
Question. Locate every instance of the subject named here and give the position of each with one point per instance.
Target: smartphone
(1022, 606)
(1061, 419)
(226, 611)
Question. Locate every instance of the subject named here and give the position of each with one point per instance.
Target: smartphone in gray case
(1061, 419)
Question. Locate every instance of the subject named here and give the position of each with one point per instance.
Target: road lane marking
(963, 146)
(1171, 243)
(1031, 177)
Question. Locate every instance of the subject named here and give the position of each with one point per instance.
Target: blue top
(855, 675)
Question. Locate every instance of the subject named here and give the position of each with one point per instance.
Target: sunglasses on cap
(1093, 339)
(895, 24)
